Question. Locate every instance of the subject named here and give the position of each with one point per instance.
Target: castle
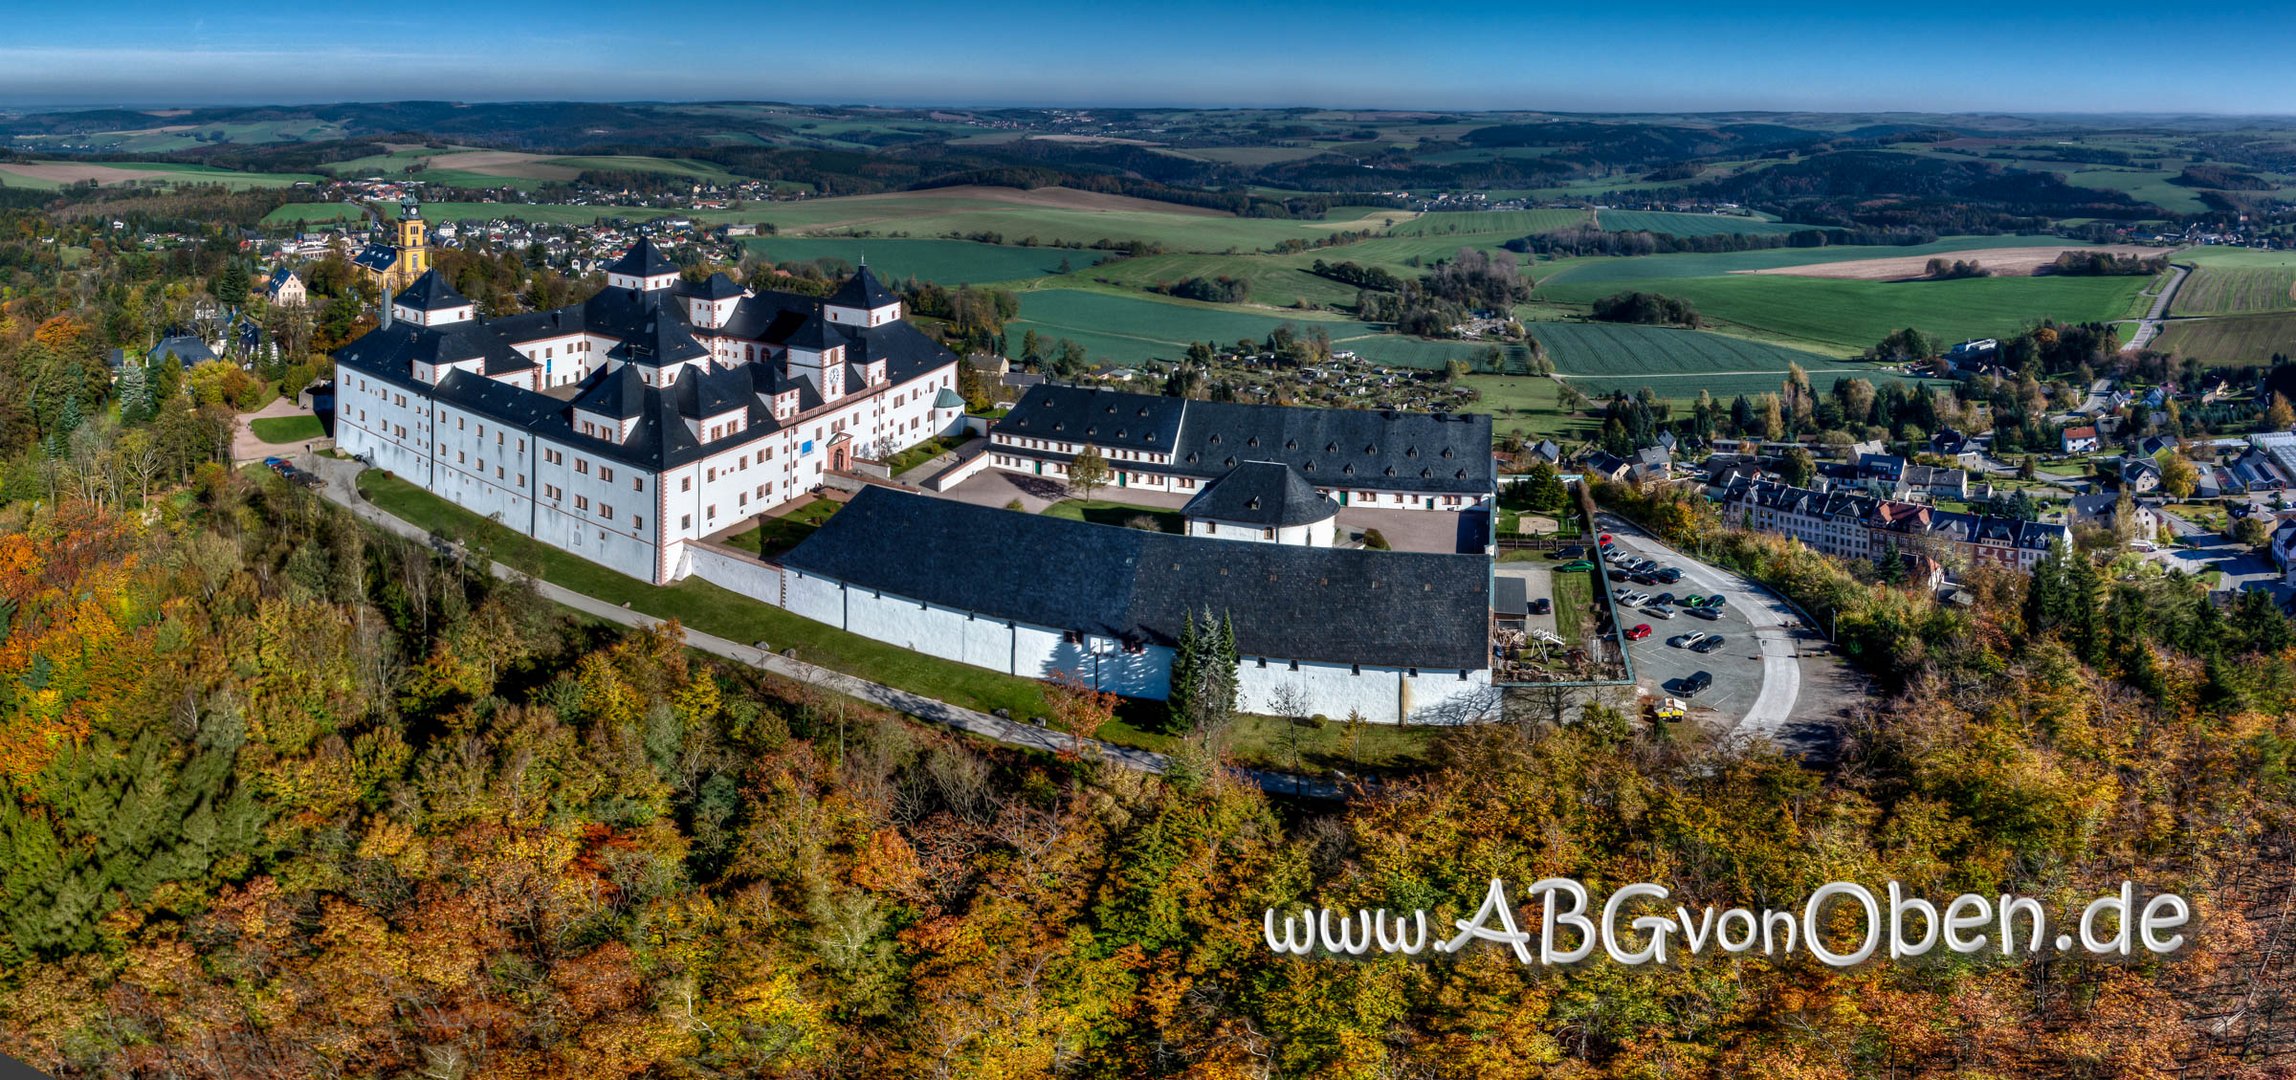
(400, 263)
(649, 416)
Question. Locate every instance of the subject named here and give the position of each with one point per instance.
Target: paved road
(2148, 327)
(341, 487)
(1773, 622)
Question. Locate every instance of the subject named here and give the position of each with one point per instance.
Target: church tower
(413, 242)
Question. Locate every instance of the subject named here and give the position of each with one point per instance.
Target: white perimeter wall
(1381, 695)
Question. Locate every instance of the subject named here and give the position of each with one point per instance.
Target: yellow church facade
(395, 265)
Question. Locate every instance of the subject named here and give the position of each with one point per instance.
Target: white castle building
(653, 414)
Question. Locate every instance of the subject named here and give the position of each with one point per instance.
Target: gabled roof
(1288, 602)
(661, 342)
(430, 292)
(377, 257)
(863, 291)
(643, 260)
(1268, 494)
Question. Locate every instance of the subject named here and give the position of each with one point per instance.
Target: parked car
(1640, 631)
(1668, 574)
(1696, 682)
(1606, 539)
(1656, 612)
(1711, 643)
(1575, 551)
(1542, 606)
(1663, 598)
(1706, 613)
(1684, 641)
(1576, 565)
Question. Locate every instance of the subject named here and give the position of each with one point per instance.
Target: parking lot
(1736, 667)
(1773, 676)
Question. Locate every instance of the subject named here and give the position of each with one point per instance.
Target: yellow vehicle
(1669, 709)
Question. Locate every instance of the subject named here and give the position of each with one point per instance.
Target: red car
(1640, 631)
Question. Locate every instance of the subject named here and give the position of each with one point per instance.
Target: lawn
(1599, 358)
(1574, 605)
(708, 608)
(776, 535)
(1527, 405)
(1110, 512)
(2231, 339)
(922, 453)
(287, 429)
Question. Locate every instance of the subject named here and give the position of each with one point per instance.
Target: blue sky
(2095, 56)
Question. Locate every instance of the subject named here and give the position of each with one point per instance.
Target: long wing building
(652, 414)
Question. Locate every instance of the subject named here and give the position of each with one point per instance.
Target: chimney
(386, 309)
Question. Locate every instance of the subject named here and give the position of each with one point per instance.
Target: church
(397, 265)
(628, 426)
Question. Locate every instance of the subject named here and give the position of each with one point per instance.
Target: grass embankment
(710, 609)
(287, 429)
(1256, 741)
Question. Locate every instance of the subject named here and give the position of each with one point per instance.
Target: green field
(1839, 316)
(1132, 329)
(1049, 216)
(1692, 224)
(2231, 281)
(1526, 405)
(2232, 339)
(314, 213)
(1505, 224)
(948, 262)
(107, 174)
(1599, 358)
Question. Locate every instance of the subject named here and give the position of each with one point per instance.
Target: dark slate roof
(1264, 493)
(377, 257)
(617, 392)
(430, 292)
(661, 343)
(658, 436)
(186, 349)
(1289, 602)
(643, 260)
(863, 291)
(718, 287)
(1332, 448)
(395, 349)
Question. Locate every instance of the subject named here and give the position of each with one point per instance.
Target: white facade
(1383, 695)
(576, 493)
(1313, 534)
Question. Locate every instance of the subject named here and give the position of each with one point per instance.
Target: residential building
(1849, 525)
(2078, 440)
(285, 288)
(627, 427)
(1359, 457)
